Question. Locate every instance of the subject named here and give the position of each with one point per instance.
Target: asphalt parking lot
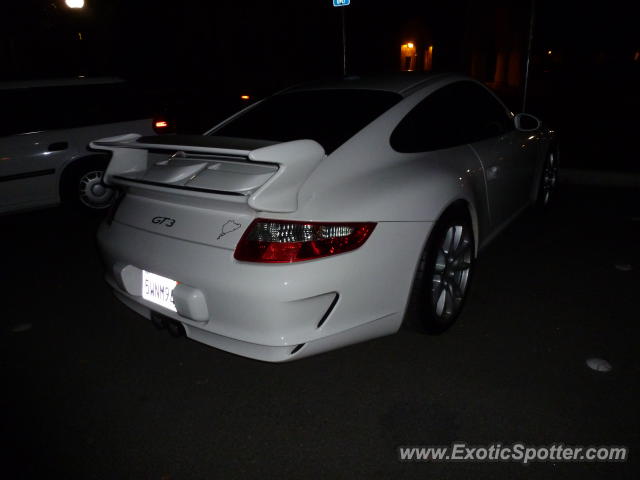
(91, 390)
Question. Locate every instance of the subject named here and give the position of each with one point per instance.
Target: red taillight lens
(278, 241)
(162, 125)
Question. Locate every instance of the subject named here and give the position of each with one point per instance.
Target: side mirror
(526, 123)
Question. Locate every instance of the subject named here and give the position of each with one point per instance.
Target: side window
(86, 105)
(113, 103)
(16, 114)
(56, 107)
(431, 125)
(483, 116)
(459, 113)
(49, 108)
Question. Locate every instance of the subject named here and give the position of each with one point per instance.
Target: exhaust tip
(175, 328)
(157, 321)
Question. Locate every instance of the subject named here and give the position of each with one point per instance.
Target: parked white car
(312, 219)
(45, 130)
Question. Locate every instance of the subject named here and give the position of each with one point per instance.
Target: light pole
(343, 3)
(526, 74)
(344, 43)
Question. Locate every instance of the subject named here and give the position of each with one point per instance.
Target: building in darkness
(272, 44)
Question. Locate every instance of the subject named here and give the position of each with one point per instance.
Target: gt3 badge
(166, 221)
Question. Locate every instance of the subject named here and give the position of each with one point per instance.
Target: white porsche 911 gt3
(312, 219)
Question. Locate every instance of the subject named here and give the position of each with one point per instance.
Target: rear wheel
(82, 187)
(444, 275)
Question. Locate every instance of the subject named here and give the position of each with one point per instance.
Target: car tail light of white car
(162, 125)
(278, 241)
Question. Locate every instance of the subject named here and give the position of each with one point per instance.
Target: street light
(74, 3)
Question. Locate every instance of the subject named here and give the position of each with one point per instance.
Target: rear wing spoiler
(189, 159)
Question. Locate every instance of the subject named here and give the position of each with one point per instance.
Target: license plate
(158, 290)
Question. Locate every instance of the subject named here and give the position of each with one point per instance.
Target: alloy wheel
(92, 192)
(451, 272)
(549, 177)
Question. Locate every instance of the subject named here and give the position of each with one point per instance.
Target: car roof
(59, 82)
(403, 83)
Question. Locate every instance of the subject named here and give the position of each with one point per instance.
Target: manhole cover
(599, 364)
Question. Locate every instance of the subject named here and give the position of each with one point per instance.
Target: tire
(81, 187)
(548, 179)
(443, 277)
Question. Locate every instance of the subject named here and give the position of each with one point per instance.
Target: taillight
(281, 241)
(161, 125)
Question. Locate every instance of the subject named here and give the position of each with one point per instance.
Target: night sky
(270, 44)
(203, 55)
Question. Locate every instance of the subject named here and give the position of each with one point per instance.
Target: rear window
(330, 117)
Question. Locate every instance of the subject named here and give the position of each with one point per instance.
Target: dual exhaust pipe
(174, 327)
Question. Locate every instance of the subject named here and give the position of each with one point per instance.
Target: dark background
(92, 391)
(274, 43)
(200, 56)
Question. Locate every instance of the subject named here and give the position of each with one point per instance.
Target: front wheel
(549, 178)
(444, 275)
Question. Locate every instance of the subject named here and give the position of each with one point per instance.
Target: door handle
(58, 146)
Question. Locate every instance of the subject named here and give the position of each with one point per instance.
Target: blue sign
(341, 3)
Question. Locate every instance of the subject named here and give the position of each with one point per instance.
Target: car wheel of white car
(92, 192)
(549, 178)
(82, 186)
(444, 275)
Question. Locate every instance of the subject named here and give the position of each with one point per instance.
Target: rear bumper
(270, 353)
(275, 312)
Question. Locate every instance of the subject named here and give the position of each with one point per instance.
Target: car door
(507, 158)
(28, 165)
(508, 174)
(28, 155)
